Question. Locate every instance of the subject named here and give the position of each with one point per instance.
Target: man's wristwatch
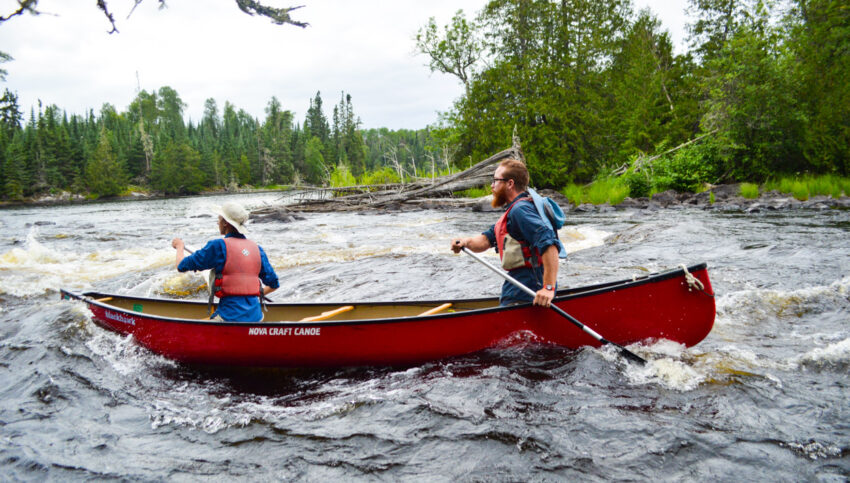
(549, 287)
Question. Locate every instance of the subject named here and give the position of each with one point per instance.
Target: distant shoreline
(66, 198)
(726, 198)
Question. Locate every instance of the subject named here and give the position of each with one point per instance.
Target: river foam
(38, 268)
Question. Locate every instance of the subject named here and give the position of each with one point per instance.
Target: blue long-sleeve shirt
(524, 224)
(235, 308)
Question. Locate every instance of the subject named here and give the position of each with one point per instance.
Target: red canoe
(657, 306)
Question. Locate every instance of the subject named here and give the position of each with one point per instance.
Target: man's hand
(457, 245)
(178, 256)
(477, 244)
(544, 297)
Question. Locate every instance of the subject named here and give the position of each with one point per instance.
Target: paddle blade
(631, 356)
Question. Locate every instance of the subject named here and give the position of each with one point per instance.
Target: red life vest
(529, 255)
(241, 273)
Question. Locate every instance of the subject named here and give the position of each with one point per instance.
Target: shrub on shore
(807, 186)
(605, 190)
(473, 192)
(750, 190)
(380, 176)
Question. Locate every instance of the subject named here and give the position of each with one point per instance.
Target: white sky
(364, 47)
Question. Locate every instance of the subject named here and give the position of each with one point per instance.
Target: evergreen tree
(315, 171)
(170, 115)
(4, 57)
(716, 21)
(651, 98)
(104, 174)
(317, 122)
(10, 114)
(10, 124)
(349, 148)
(15, 171)
(751, 102)
(548, 79)
(176, 170)
(820, 48)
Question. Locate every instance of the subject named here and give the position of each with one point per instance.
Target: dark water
(764, 397)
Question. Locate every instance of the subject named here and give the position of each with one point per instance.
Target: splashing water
(763, 397)
(37, 268)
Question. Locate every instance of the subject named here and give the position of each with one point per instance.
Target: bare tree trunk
(377, 196)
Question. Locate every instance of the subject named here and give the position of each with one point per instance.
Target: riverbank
(67, 198)
(722, 198)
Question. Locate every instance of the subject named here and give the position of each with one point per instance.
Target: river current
(765, 397)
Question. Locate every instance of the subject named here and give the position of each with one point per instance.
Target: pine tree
(315, 171)
(317, 123)
(15, 172)
(820, 43)
(276, 143)
(176, 170)
(104, 174)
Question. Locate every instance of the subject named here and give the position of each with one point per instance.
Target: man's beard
(500, 198)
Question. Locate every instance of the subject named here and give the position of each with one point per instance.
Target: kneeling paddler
(243, 274)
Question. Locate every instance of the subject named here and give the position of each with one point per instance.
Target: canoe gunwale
(562, 295)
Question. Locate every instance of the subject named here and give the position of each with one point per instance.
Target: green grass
(805, 187)
(711, 197)
(473, 192)
(381, 176)
(573, 192)
(131, 188)
(750, 190)
(341, 177)
(606, 190)
(277, 187)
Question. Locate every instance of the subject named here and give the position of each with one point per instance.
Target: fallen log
(385, 195)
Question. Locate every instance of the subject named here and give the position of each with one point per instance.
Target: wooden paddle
(623, 351)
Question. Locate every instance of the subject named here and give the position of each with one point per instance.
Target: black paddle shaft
(625, 352)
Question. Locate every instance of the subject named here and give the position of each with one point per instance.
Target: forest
(594, 90)
(149, 146)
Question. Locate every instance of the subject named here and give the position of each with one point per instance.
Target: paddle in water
(623, 351)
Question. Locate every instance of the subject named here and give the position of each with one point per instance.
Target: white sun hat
(234, 214)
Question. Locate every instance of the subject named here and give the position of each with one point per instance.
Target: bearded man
(527, 245)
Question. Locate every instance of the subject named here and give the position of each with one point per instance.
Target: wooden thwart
(104, 299)
(328, 314)
(436, 309)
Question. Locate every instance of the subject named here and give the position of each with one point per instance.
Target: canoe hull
(661, 306)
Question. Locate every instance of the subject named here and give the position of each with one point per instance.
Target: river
(764, 398)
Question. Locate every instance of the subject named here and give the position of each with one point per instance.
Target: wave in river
(836, 355)
(755, 306)
(679, 368)
(37, 268)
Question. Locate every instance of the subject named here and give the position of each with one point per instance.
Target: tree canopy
(592, 87)
(150, 145)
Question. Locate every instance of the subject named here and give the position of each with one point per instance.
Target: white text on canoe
(284, 331)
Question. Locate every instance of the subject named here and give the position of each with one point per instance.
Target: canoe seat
(436, 309)
(328, 314)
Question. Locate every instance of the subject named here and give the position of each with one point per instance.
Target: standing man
(526, 244)
(241, 267)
